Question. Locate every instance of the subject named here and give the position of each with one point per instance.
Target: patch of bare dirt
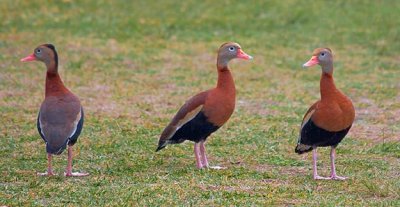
(376, 123)
(98, 99)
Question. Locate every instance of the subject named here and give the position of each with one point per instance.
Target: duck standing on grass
(328, 120)
(207, 111)
(60, 118)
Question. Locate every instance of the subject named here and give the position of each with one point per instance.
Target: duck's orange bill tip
(243, 55)
(311, 62)
(28, 58)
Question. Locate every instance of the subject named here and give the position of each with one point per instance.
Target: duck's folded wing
(301, 147)
(186, 113)
(307, 117)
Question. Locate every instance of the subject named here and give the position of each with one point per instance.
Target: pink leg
(69, 172)
(203, 154)
(333, 168)
(315, 173)
(197, 155)
(204, 159)
(49, 167)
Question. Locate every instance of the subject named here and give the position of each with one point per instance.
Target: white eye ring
(38, 51)
(231, 49)
(323, 54)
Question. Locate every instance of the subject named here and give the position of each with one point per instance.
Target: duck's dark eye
(231, 49)
(38, 51)
(323, 54)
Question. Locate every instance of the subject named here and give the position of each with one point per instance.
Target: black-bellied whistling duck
(328, 120)
(207, 111)
(60, 118)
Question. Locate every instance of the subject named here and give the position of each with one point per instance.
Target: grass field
(134, 64)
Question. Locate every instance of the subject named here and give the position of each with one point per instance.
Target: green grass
(134, 64)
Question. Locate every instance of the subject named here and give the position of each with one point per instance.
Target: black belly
(196, 130)
(313, 135)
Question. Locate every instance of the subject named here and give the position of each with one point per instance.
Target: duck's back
(60, 121)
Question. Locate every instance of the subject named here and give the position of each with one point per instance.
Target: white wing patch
(189, 116)
(75, 124)
(41, 126)
(307, 118)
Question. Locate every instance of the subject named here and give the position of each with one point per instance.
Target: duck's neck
(222, 63)
(327, 86)
(225, 80)
(54, 84)
(328, 68)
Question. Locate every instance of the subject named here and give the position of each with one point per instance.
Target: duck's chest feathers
(219, 106)
(334, 114)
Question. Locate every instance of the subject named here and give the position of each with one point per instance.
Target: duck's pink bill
(311, 62)
(28, 58)
(243, 55)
